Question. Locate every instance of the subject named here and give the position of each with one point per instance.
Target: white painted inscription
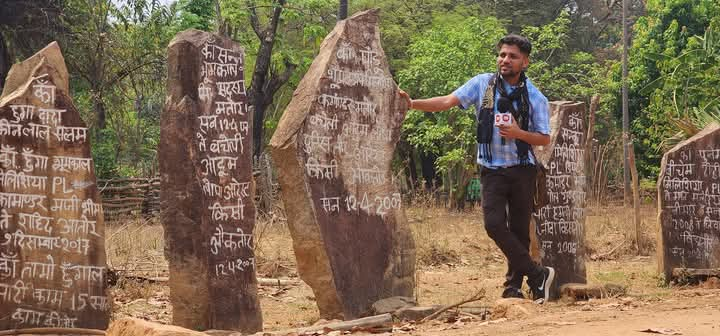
(46, 217)
(222, 138)
(690, 194)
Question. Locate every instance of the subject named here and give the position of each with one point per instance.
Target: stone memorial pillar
(689, 204)
(559, 239)
(206, 181)
(333, 148)
(52, 234)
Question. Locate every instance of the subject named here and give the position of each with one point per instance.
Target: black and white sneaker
(512, 292)
(542, 285)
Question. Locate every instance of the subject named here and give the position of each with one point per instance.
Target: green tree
(198, 14)
(441, 60)
(116, 52)
(672, 65)
(402, 20)
(285, 36)
(26, 27)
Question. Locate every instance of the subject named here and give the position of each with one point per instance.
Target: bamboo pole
(636, 195)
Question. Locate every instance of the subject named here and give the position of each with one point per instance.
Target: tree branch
(275, 20)
(477, 296)
(254, 21)
(276, 81)
(125, 72)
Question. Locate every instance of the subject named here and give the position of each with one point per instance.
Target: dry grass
(273, 247)
(135, 245)
(608, 227)
(455, 256)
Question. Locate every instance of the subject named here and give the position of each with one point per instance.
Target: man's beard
(508, 72)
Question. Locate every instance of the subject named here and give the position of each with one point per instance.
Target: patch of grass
(437, 253)
(274, 255)
(612, 277)
(608, 227)
(136, 245)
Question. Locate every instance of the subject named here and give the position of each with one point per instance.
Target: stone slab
(559, 227)
(333, 148)
(207, 190)
(689, 204)
(52, 233)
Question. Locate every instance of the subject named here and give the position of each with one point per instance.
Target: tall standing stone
(333, 148)
(689, 203)
(52, 245)
(206, 180)
(560, 225)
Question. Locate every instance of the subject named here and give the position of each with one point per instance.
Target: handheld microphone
(504, 105)
(504, 117)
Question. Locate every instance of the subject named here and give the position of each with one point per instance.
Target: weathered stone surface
(206, 180)
(20, 72)
(689, 204)
(137, 327)
(52, 245)
(333, 147)
(559, 227)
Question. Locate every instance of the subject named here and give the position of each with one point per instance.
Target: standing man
(506, 156)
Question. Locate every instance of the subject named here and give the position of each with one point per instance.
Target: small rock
(415, 313)
(711, 283)
(392, 304)
(512, 308)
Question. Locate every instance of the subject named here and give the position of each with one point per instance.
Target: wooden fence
(124, 197)
(130, 197)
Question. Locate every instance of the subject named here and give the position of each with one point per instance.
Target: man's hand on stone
(406, 96)
(511, 131)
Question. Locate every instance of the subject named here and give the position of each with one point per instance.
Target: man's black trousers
(507, 206)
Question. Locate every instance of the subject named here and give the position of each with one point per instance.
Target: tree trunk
(264, 84)
(99, 107)
(589, 156)
(412, 169)
(258, 128)
(462, 179)
(427, 166)
(5, 61)
(343, 10)
(636, 197)
(257, 95)
(222, 28)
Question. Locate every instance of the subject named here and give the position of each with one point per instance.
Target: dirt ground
(455, 260)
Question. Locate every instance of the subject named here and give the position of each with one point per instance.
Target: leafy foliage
(441, 60)
(283, 37)
(119, 54)
(115, 50)
(563, 74)
(674, 63)
(198, 14)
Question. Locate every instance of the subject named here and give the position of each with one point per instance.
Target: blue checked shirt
(505, 155)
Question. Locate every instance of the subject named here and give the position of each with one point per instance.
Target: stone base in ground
(138, 327)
